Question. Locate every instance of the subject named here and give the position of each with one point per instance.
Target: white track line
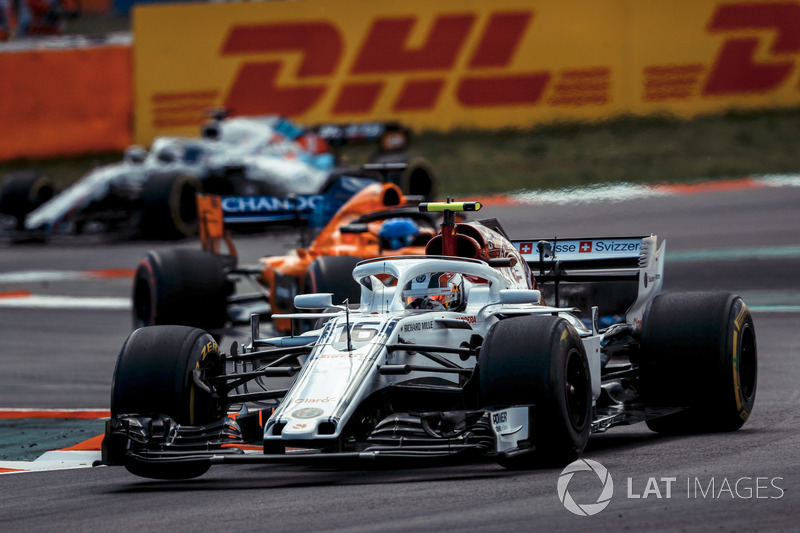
(54, 460)
(35, 276)
(65, 302)
(621, 192)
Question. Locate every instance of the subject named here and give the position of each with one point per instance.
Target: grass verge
(630, 149)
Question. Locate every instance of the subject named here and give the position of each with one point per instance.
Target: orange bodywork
(211, 225)
(330, 240)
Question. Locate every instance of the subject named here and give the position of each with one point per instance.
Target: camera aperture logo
(606, 492)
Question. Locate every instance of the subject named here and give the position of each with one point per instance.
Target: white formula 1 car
(268, 169)
(449, 355)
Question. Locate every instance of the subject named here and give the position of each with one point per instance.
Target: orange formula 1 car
(199, 287)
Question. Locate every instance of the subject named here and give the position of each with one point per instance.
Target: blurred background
(503, 96)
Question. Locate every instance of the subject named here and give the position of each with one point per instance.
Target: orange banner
(459, 63)
(65, 102)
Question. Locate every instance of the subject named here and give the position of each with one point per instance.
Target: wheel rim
(576, 389)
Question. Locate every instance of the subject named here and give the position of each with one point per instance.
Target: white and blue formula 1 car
(268, 170)
(454, 354)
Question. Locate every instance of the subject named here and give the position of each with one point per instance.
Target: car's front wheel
(154, 375)
(540, 360)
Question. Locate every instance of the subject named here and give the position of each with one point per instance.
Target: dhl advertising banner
(461, 63)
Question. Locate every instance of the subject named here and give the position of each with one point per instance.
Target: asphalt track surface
(745, 241)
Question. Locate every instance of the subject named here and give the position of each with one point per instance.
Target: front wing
(508, 431)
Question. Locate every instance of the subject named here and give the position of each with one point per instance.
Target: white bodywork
(336, 377)
(260, 146)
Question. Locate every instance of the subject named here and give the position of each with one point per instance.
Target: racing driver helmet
(396, 233)
(437, 290)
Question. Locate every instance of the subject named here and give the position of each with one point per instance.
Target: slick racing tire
(183, 287)
(417, 179)
(154, 376)
(698, 352)
(334, 274)
(23, 192)
(540, 360)
(169, 206)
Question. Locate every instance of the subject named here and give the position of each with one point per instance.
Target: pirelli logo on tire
(453, 63)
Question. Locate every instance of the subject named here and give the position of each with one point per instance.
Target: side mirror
(314, 301)
(520, 296)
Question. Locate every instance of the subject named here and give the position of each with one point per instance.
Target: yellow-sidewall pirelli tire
(169, 206)
(699, 354)
(539, 360)
(154, 376)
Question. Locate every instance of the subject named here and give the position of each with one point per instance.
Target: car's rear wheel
(181, 286)
(23, 192)
(154, 376)
(541, 361)
(418, 178)
(334, 274)
(169, 206)
(698, 353)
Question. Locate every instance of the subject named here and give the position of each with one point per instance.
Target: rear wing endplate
(211, 224)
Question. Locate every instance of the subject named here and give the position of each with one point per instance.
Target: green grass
(652, 150)
(636, 150)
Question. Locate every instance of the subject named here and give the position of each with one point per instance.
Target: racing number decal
(359, 333)
(735, 69)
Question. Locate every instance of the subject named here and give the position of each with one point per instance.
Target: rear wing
(314, 210)
(582, 259)
(598, 259)
(390, 136)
